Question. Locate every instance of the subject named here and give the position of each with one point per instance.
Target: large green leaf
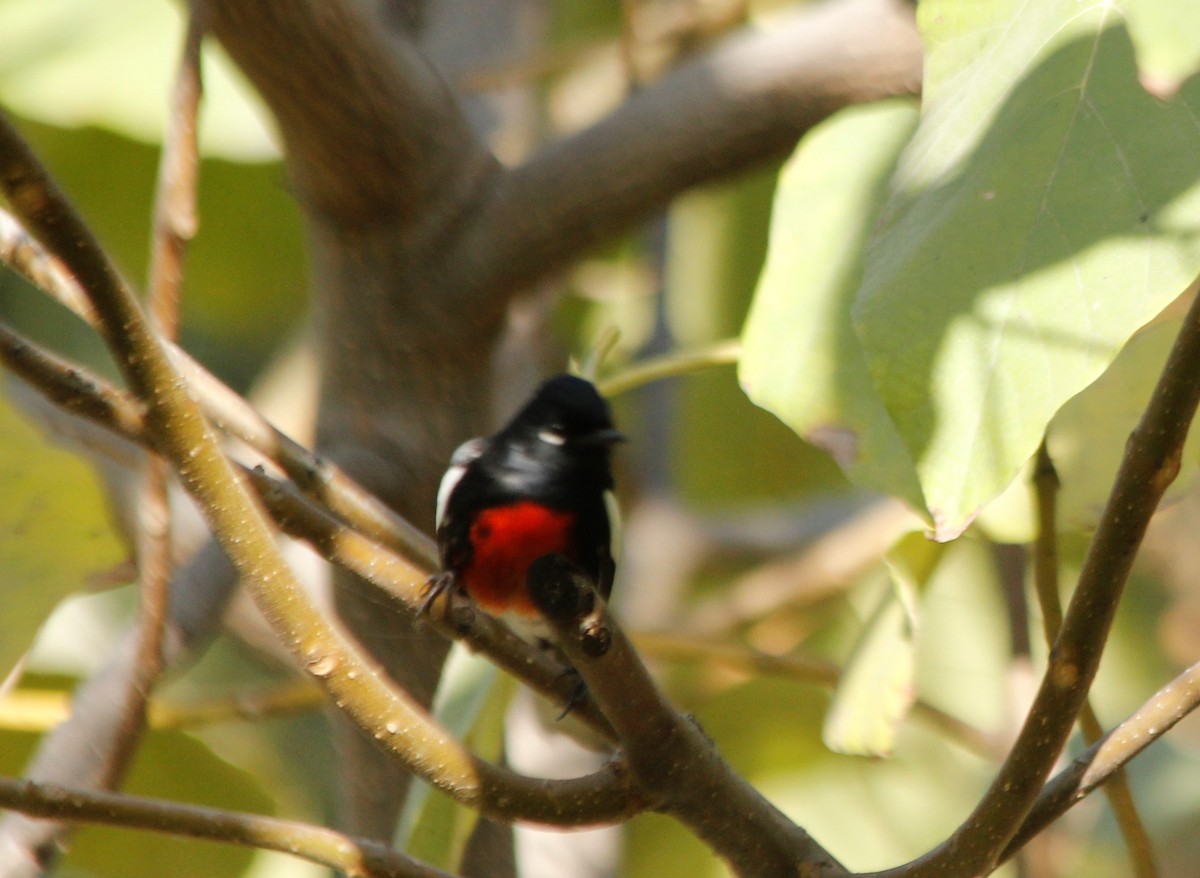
(111, 63)
(54, 532)
(1087, 438)
(877, 686)
(471, 700)
(1046, 208)
(801, 359)
(1164, 33)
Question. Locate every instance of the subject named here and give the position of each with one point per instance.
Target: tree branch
(176, 424)
(399, 578)
(350, 856)
(746, 102)
(672, 762)
(1045, 578)
(1151, 462)
(1157, 716)
(372, 132)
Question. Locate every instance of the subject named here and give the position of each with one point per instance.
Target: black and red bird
(542, 485)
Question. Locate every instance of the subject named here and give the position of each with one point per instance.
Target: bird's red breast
(505, 540)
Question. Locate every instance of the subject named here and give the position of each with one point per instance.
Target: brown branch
(746, 102)
(174, 224)
(673, 764)
(1157, 716)
(224, 407)
(1151, 462)
(1045, 578)
(76, 751)
(348, 855)
(400, 579)
(393, 717)
(371, 132)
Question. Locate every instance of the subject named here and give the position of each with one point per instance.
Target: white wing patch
(614, 525)
(463, 456)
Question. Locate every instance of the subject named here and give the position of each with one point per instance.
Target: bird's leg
(578, 694)
(435, 586)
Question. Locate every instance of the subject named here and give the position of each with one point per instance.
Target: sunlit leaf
(470, 703)
(110, 64)
(1046, 208)
(54, 531)
(877, 686)
(801, 359)
(1087, 439)
(1164, 34)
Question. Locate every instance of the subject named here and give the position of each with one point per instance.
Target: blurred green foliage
(897, 380)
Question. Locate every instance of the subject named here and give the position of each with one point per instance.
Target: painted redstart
(541, 486)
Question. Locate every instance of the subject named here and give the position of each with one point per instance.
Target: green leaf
(173, 766)
(726, 451)
(1046, 208)
(1087, 438)
(877, 686)
(1086, 441)
(470, 703)
(1164, 34)
(801, 359)
(111, 64)
(54, 532)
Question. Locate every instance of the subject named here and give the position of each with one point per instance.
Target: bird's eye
(552, 437)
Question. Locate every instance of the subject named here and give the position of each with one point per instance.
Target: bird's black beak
(601, 438)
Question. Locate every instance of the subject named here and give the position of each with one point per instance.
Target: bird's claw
(578, 694)
(435, 586)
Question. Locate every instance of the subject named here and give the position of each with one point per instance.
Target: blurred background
(753, 571)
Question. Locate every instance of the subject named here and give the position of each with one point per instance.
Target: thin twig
(690, 649)
(348, 855)
(393, 717)
(721, 353)
(1157, 716)
(1151, 462)
(174, 224)
(1045, 578)
(398, 578)
(671, 760)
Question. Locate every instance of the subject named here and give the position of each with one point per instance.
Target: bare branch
(393, 717)
(1045, 578)
(674, 765)
(1157, 716)
(745, 103)
(1151, 462)
(348, 855)
(77, 751)
(399, 578)
(371, 131)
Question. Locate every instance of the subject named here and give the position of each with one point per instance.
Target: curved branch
(350, 856)
(399, 577)
(746, 102)
(371, 131)
(1157, 716)
(674, 764)
(1151, 462)
(174, 420)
